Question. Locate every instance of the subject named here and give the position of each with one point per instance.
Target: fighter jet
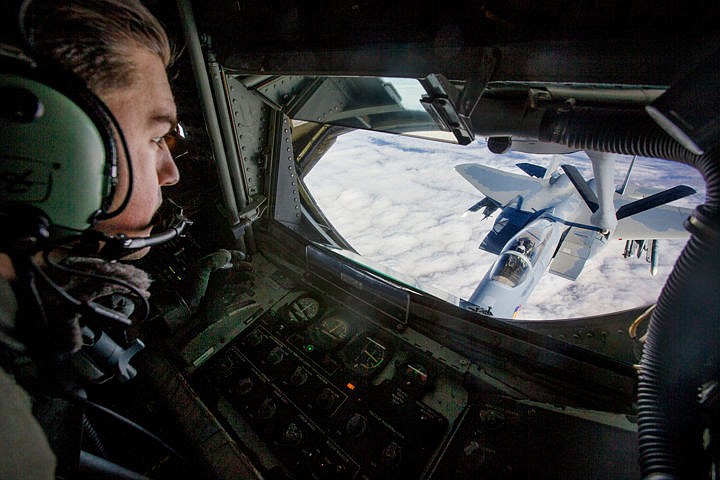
(552, 219)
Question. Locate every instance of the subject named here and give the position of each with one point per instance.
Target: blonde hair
(94, 38)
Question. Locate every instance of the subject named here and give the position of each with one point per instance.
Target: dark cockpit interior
(276, 350)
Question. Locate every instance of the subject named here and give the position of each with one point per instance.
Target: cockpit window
(512, 268)
(532, 241)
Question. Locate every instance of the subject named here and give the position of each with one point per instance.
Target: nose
(167, 170)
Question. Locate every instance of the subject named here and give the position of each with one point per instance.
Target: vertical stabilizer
(621, 189)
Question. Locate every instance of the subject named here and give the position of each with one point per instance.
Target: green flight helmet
(57, 150)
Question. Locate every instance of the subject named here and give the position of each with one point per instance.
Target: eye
(173, 141)
(159, 141)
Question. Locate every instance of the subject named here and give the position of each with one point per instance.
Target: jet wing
(663, 222)
(503, 187)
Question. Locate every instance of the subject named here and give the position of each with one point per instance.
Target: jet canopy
(521, 253)
(511, 269)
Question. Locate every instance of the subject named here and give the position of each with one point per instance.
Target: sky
(399, 202)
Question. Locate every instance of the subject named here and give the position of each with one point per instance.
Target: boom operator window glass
(400, 203)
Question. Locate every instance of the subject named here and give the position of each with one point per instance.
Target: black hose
(683, 340)
(629, 132)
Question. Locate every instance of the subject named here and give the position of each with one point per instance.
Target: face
(146, 112)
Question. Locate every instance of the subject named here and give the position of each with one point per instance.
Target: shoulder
(23, 447)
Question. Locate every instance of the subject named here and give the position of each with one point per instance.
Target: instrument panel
(308, 380)
(330, 393)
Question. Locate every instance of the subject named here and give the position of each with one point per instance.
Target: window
(403, 206)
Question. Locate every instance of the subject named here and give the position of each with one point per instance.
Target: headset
(59, 154)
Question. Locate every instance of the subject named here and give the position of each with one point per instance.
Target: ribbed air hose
(629, 132)
(683, 340)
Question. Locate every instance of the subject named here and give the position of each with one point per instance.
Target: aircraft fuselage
(525, 257)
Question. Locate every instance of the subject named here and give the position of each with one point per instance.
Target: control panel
(502, 438)
(329, 392)
(312, 382)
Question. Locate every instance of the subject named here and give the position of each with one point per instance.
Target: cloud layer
(400, 203)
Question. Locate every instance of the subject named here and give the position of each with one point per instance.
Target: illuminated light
(350, 386)
(171, 269)
(309, 348)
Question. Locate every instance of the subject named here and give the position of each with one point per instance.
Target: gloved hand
(178, 307)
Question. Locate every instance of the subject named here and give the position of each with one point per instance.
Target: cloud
(400, 203)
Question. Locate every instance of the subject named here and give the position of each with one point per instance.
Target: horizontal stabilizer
(532, 169)
(477, 206)
(488, 206)
(485, 202)
(586, 193)
(653, 201)
(663, 222)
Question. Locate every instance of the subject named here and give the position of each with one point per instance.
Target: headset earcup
(57, 147)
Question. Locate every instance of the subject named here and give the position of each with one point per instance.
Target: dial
(326, 399)
(275, 356)
(254, 338)
(331, 332)
(267, 409)
(415, 374)
(303, 310)
(299, 377)
(370, 356)
(414, 378)
(293, 435)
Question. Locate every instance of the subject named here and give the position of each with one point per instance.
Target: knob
(267, 409)
(356, 425)
(326, 399)
(226, 362)
(292, 436)
(243, 386)
(391, 455)
(275, 356)
(224, 368)
(254, 338)
(299, 377)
